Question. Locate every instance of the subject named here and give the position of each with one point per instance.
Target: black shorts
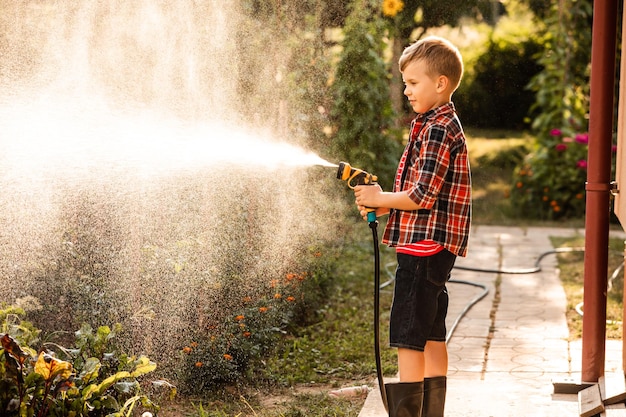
(420, 300)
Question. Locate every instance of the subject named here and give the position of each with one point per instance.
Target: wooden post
(620, 172)
(598, 187)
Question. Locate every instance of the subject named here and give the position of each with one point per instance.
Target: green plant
(494, 93)
(362, 114)
(571, 267)
(88, 380)
(550, 183)
(234, 347)
(562, 87)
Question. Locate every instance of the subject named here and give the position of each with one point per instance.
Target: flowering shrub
(233, 346)
(550, 182)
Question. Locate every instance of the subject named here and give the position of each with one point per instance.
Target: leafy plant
(234, 347)
(562, 87)
(91, 379)
(494, 92)
(362, 114)
(550, 183)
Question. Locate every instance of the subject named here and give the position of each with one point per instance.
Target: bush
(550, 183)
(234, 348)
(494, 94)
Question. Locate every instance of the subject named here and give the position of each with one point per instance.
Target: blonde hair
(440, 56)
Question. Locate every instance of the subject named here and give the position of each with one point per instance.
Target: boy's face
(423, 91)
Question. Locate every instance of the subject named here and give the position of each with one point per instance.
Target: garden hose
(379, 371)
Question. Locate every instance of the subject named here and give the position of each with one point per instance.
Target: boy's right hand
(381, 211)
(365, 194)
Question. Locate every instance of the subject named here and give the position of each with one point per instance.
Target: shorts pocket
(439, 266)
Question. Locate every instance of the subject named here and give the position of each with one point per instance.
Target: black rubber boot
(405, 399)
(434, 396)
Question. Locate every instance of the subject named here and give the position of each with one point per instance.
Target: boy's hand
(381, 211)
(368, 195)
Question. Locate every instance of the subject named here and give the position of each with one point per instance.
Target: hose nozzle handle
(354, 176)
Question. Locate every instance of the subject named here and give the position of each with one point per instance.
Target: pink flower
(582, 138)
(567, 139)
(560, 147)
(555, 132)
(581, 164)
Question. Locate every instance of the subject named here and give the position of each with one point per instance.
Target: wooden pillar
(598, 188)
(620, 172)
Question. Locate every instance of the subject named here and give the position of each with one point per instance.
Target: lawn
(493, 156)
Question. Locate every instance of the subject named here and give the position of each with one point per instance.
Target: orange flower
(277, 296)
(579, 196)
(291, 299)
(392, 7)
(247, 299)
(273, 283)
(240, 317)
(194, 344)
(519, 184)
(263, 309)
(187, 350)
(290, 277)
(317, 254)
(556, 208)
(198, 364)
(553, 203)
(545, 198)
(247, 334)
(228, 357)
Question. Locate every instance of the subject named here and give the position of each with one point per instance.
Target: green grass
(492, 161)
(571, 267)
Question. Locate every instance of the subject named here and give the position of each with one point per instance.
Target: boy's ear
(442, 83)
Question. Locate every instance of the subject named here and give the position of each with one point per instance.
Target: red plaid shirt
(435, 171)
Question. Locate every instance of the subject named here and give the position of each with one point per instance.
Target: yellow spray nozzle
(354, 176)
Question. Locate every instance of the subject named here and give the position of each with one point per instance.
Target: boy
(429, 221)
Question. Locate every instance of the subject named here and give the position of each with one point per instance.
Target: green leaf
(90, 371)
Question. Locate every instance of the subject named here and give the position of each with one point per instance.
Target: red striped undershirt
(421, 248)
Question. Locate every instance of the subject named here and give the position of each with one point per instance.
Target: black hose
(379, 371)
(468, 306)
(521, 271)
